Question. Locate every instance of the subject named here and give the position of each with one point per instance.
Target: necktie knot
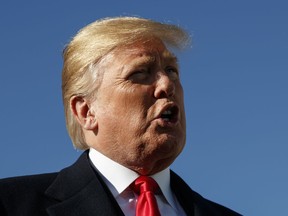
(144, 184)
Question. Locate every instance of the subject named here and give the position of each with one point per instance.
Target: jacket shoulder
(26, 183)
(19, 194)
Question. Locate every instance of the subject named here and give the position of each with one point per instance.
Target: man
(124, 105)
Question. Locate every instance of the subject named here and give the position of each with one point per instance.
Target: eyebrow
(148, 58)
(144, 60)
(170, 56)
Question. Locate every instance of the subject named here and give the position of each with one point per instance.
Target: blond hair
(80, 76)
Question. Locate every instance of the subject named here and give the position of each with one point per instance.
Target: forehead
(148, 51)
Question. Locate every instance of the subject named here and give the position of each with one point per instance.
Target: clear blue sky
(235, 79)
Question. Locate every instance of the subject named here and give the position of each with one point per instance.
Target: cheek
(128, 106)
(136, 100)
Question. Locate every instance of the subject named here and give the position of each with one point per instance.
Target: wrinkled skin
(139, 83)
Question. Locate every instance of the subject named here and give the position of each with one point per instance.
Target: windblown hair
(80, 76)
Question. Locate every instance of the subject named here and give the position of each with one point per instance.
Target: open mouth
(170, 114)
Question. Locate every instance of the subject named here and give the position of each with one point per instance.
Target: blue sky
(235, 79)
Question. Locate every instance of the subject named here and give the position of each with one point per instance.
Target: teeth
(167, 112)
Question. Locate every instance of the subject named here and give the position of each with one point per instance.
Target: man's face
(139, 108)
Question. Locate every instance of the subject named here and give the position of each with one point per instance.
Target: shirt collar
(118, 177)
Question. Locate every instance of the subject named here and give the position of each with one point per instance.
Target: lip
(175, 118)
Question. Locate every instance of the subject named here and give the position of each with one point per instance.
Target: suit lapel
(80, 191)
(182, 192)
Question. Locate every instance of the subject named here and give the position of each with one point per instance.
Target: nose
(165, 87)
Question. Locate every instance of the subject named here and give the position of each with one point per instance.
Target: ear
(83, 113)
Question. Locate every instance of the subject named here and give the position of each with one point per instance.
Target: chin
(158, 165)
(171, 146)
(165, 156)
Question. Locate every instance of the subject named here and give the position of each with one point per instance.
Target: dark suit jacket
(79, 191)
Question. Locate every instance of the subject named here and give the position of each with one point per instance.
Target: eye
(139, 76)
(172, 72)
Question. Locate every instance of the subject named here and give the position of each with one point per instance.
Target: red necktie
(146, 204)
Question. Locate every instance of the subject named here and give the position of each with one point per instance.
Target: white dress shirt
(118, 178)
